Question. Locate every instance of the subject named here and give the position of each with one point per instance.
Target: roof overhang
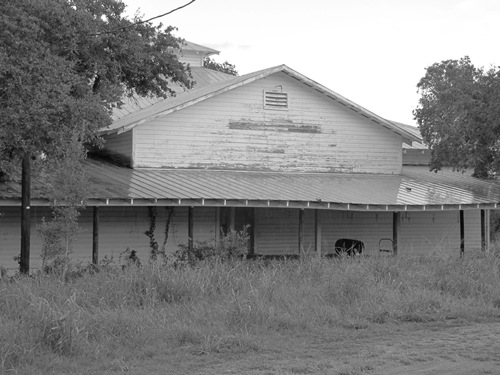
(416, 189)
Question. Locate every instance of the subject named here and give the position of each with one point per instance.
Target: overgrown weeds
(215, 305)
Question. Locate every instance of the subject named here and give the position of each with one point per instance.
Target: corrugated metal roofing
(202, 77)
(197, 95)
(415, 145)
(415, 188)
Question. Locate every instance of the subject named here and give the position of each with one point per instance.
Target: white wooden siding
(120, 147)
(124, 227)
(192, 58)
(276, 231)
(369, 227)
(428, 232)
(421, 233)
(233, 131)
(10, 237)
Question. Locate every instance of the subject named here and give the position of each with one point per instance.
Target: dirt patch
(437, 348)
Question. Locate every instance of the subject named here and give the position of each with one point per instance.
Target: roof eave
(211, 202)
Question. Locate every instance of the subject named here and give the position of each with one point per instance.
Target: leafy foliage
(459, 116)
(66, 189)
(64, 64)
(225, 67)
(231, 245)
(61, 72)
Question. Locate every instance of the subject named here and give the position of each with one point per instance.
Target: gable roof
(189, 98)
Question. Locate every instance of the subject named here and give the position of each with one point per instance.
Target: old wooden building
(297, 162)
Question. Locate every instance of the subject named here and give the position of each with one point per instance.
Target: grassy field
(113, 320)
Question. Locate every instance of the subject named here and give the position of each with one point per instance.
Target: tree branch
(141, 22)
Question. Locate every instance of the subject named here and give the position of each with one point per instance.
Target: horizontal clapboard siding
(120, 228)
(124, 227)
(234, 131)
(10, 237)
(425, 233)
(276, 231)
(193, 59)
(368, 227)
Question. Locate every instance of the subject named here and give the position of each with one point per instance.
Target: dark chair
(350, 247)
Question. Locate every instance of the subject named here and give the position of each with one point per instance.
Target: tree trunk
(24, 261)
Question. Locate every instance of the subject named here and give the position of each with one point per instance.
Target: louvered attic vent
(275, 100)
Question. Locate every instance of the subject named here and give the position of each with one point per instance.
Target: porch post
(190, 232)
(301, 230)
(217, 225)
(95, 236)
(396, 225)
(251, 231)
(462, 233)
(485, 229)
(232, 218)
(317, 233)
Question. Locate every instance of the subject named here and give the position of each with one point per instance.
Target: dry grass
(112, 316)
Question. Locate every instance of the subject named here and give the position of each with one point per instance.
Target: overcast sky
(373, 52)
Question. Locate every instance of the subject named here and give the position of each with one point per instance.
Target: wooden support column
(95, 237)
(190, 232)
(317, 233)
(24, 260)
(251, 231)
(217, 225)
(396, 226)
(485, 229)
(301, 230)
(232, 218)
(462, 233)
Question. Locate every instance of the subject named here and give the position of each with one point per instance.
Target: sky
(373, 52)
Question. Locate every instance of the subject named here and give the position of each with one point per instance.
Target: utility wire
(144, 21)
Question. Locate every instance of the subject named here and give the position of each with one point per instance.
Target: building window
(275, 99)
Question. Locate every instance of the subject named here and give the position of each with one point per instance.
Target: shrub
(231, 245)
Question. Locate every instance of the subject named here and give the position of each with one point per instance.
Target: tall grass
(216, 306)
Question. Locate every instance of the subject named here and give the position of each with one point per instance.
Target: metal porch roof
(415, 189)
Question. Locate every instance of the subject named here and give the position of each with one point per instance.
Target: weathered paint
(234, 131)
(275, 125)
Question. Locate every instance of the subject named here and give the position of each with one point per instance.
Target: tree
(225, 67)
(459, 116)
(63, 65)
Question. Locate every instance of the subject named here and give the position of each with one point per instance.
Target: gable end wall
(234, 131)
